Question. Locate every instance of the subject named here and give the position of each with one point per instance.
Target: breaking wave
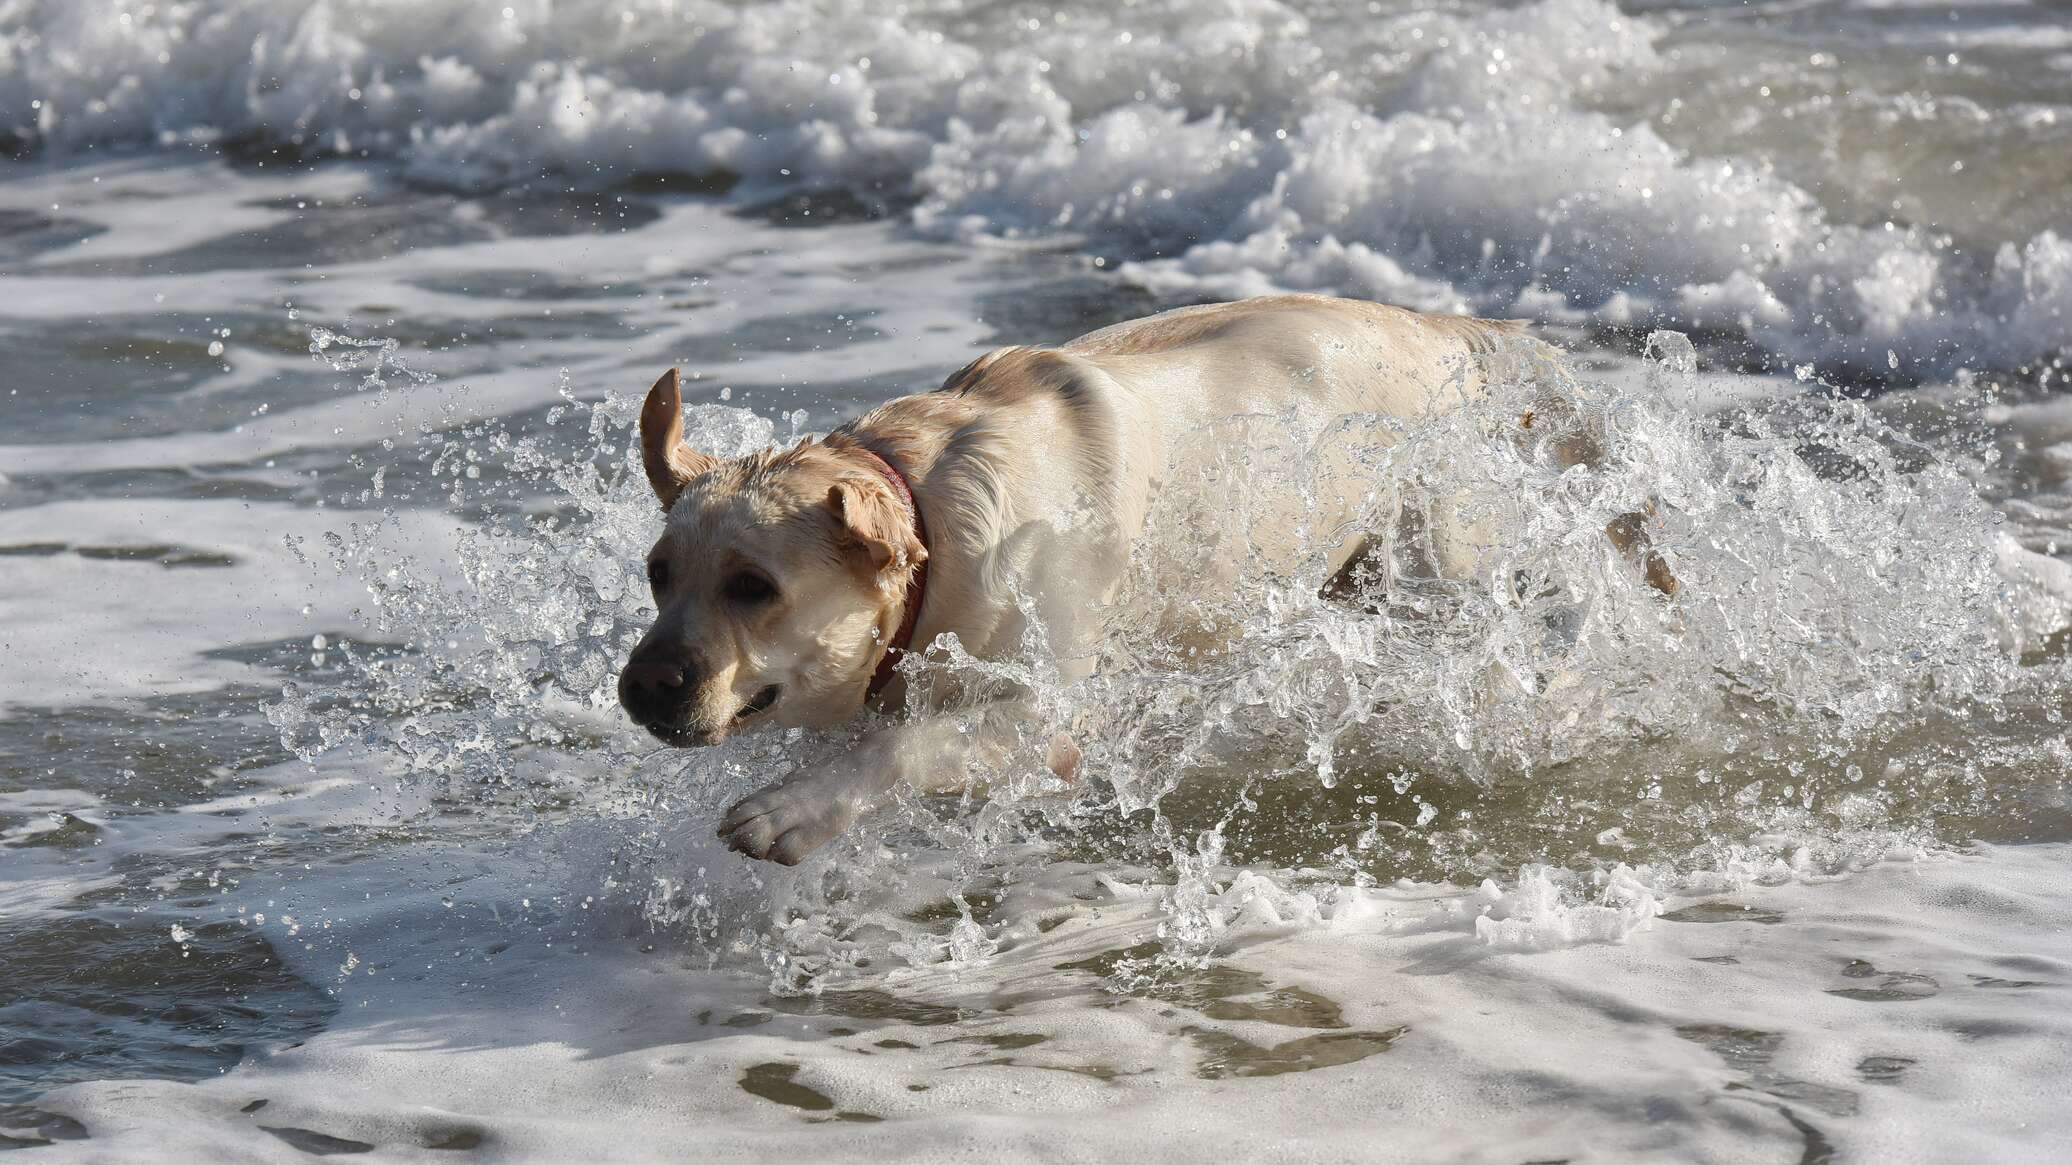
(1533, 161)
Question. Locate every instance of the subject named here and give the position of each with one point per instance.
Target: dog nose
(650, 690)
(653, 675)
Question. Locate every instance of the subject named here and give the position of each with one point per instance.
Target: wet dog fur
(781, 578)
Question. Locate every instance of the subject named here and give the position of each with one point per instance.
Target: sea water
(320, 524)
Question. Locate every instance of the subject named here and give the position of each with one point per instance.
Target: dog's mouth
(760, 703)
(678, 737)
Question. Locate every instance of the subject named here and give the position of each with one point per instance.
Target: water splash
(1842, 622)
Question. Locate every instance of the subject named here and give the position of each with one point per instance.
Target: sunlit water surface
(319, 546)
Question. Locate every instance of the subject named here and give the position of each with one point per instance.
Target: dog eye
(750, 588)
(658, 574)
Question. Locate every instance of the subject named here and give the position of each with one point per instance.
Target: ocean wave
(1478, 161)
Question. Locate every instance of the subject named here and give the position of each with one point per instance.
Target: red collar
(917, 582)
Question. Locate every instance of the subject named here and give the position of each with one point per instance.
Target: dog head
(776, 580)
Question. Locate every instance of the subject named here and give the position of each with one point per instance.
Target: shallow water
(319, 832)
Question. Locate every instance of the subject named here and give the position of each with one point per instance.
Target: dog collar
(917, 581)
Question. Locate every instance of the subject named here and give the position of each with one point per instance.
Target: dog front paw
(784, 823)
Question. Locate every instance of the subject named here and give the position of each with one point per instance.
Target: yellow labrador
(787, 583)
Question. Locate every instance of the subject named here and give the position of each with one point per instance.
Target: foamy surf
(1534, 161)
(1770, 1023)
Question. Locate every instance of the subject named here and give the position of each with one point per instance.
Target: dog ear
(670, 464)
(876, 527)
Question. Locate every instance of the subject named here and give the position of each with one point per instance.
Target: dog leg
(1353, 575)
(935, 754)
(1575, 442)
(791, 819)
(1629, 533)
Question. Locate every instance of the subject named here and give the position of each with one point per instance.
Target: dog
(789, 583)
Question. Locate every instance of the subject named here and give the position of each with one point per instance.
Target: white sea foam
(1475, 160)
(1847, 1016)
(123, 599)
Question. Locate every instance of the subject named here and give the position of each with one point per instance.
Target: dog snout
(654, 691)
